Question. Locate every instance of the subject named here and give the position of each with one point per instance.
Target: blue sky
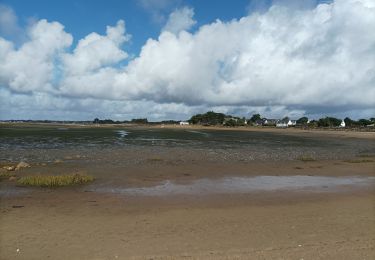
(81, 17)
(169, 59)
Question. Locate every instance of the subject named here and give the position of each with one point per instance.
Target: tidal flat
(188, 192)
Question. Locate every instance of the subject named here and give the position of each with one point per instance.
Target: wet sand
(99, 221)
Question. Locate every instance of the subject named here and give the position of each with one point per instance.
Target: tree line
(212, 118)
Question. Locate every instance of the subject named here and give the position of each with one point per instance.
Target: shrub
(55, 181)
(306, 158)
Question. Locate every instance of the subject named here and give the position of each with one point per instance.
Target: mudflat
(190, 194)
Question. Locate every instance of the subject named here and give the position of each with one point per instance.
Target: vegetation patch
(6, 175)
(306, 158)
(359, 161)
(366, 155)
(155, 159)
(55, 181)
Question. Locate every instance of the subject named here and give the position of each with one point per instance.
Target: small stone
(12, 178)
(22, 165)
(58, 161)
(9, 168)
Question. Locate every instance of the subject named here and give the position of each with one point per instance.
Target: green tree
(230, 122)
(255, 117)
(209, 118)
(139, 121)
(329, 122)
(364, 122)
(302, 121)
(349, 122)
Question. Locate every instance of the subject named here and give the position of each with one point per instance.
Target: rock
(22, 165)
(68, 157)
(58, 161)
(9, 168)
(44, 164)
(12, 178)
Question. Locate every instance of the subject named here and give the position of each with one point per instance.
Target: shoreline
(74, 224)
(367, 133)
(81, 222)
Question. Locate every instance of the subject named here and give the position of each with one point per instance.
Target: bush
(329, 122)
(55, 181)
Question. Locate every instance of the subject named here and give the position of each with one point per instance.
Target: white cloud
(31, 67)
(9, 22)
(180, 20)
(284, 59)
(96, 51)
(158, 8)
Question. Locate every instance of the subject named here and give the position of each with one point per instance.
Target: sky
(170, 59)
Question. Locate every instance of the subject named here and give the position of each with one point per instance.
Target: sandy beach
(179, 202)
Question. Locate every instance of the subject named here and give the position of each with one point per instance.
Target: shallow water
(45, 144)
(237, 185)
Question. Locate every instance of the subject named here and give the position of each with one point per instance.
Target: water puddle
(249, 184)
(198, 132)
(7, 191)
(122, 133)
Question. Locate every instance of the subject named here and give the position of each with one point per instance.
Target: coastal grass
(306, 158)
(365, 155)
(55, 181)
(155, 159)
(359, 161)
(6, 175)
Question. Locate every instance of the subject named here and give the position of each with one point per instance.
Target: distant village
(212, 118)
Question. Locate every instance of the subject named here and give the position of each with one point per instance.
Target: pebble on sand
(22, 165)
(9, 168)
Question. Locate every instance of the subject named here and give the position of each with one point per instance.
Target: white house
(342, 123)
(282, 123)
(292, 122)
(184, 123)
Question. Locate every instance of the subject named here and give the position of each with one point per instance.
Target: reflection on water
(122, 133)
(249, 184)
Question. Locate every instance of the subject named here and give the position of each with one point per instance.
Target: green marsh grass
(306, 158)
(55, 181)
(359, 161)
(6, 175)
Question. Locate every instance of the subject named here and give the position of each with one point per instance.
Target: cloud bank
(282, 59)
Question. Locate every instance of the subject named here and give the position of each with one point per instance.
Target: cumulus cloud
(158, 8)
(31, 67)
(90, 70)
(283, 59)
(9, 23)
(97, 51)
(180, 20)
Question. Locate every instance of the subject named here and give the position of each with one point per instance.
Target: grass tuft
(366, 155)
(155, 159)
(6, 175)
(306, 158)
(359, 161)
(55, 181)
